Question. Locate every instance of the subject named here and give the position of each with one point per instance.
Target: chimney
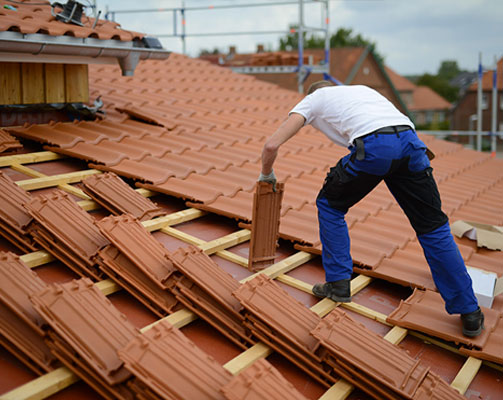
(260, 48)
(232, 50)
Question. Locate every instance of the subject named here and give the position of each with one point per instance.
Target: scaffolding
(302, 70)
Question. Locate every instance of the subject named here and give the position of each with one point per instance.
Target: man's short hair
(316, 85)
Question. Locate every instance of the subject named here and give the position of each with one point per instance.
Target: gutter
(128, 54)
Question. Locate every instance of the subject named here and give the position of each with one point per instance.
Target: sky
(414, 36)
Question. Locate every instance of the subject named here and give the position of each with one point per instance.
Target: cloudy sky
(414, 36)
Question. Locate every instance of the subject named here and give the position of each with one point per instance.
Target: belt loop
(396, 131)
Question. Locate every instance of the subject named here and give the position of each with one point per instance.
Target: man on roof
(383, 145)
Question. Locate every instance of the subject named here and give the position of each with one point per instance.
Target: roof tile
(8, 143)
(172, 366)
(112, 193)
(66, 231)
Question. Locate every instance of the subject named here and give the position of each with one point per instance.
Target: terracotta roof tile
(66, 231)
(30, 16)
(112, 193)
(13, 215)
(358, 353)
(260, 381)
(21, 327)
(265, 225)
(166, 362)
(487, 78)
(424, 311)
(8, 143)
(435, 388)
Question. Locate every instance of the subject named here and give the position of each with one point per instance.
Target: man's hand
(269, 178)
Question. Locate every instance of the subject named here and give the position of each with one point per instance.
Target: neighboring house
(349, 65)
(465, 112)
(44, 59)
(427, 107)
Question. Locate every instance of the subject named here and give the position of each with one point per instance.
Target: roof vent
(71, 14)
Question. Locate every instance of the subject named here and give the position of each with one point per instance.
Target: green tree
(439, 85)
(448, 69)
(344, 37)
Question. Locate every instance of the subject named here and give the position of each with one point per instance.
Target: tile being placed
(112, 193)
(13, 215)
(86, 333)
(424, 311)
(206, 289)
(66, 231)
(21, 327)
(171, 366)
(367, 360)
(493, 349)
(435, 388)
(265, 225)
(260, 381)
(283, 323)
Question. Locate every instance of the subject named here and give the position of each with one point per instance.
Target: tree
(448, 70)
(439, 85)
(344, 37)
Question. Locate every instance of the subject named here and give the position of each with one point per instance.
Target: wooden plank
(30, 158)
(54, 83)
(226, 241)
(466, 374)
(366, 312)
(247, 358)
(89, 205)
(10, 82)
(107, 286)
(178, 319)
(56, 180)
(173, 219)
(44, 386)
(295, 283)
(76, 83)
(396, 335)
(37, 258)
(284, 266)
(339, 391)
(146, 192)
(32, 83)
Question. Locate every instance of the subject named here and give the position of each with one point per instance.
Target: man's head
(316, 85)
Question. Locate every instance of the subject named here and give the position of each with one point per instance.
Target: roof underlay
(189, 135)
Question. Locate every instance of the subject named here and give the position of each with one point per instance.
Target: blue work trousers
(400, 160)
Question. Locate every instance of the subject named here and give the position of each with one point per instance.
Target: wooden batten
(38, 83)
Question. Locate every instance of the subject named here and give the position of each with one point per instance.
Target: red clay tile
(112, 193)
(173, 367)
(8, 143)
(424, 311)
(13, 215)
(260, 381)
(66, 231)
(265, 225)
(83, 338)
(21, 327)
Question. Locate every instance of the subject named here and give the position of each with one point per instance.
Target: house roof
(34, 17)
(401, 83)
(487, 78)
(192, 133)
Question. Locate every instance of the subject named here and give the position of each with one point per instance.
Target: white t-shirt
(344, 113)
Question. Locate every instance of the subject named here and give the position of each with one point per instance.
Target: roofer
(383, 146)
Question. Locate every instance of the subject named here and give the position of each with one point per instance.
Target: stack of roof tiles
(14, 218)
(86, 332)
(334, 346)
(21, 327)
(66, 231)
(8, 143)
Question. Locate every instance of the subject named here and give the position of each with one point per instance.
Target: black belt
(387, 130)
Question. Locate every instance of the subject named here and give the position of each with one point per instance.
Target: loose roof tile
(376, 365)
(265, 225)
(115, 195)
(75, 311)
(21, 326)
(260, 381)
(435, 388)
(66, 231)
(172, 366)
(8, 143)
(13, 215)
(424, 311)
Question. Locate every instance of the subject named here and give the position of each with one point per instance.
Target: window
(485, 101)
(429, 117)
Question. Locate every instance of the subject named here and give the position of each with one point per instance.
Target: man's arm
(286, 131)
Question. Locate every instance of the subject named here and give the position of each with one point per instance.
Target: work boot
(339, 291)
(473, 323)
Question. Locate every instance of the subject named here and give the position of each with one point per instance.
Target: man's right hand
(269, 178)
